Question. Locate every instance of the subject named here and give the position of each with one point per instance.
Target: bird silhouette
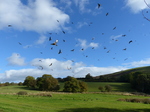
(19, 43)
(55, 43)
(114, 28)
(50, 38)
(99, 5)
(125, 49)
(50, 64)
(64, 32)
(130, 41)
(123, 35)
(72, 50)
(60, 51)
(9, 25)
(107, 14)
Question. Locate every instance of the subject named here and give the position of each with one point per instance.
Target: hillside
(117, 75)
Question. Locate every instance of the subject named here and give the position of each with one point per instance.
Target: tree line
(49, 83)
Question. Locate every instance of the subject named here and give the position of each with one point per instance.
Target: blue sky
(100, 42)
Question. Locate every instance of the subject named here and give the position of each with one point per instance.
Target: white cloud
(38, 15)
(81, 24)
(41, 39)
(114, 37)
(56, 69)
(138, 63)
(16, 60)
(82, 5)
(137, 5)
(83, 44)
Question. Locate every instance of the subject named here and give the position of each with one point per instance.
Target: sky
(72, 37)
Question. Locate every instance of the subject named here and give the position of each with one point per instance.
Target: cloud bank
(38, 15)
(137, 5)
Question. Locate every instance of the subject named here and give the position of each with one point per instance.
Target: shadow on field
(123, 88)
(97, 109)
(25, 88)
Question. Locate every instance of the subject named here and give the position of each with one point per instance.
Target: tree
(30, 82)
(47, 83)
(108, 88)
(83, 86)
(88, 77)
(73, 85)
(101, 88)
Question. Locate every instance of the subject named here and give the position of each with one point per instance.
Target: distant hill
(115, 76)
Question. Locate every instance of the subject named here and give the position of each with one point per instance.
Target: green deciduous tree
(108, 88)
(47, 83)
(73, 85)
(30, 82)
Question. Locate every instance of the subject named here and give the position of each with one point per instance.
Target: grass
(69, 102)
(93, 86)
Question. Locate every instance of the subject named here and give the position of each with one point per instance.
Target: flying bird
(50, 64)
(114, 28)
(72, 50)
(99, 5)
(130, 41)
(50, 38)
(123, 35)
(60, 51)
(55, 43)
(40, 67)
(125, 59)
(19, 43)
(64, 32)
(125, 49)
(107, 14)
(9, 25)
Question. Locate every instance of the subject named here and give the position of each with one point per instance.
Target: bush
(47, 83)
(74, 85)
(22, 93)
(108, 88)
(101, 88)
(136, 100)
(44, 94)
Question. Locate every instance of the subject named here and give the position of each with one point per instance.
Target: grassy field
(93, 86)
(69, 102)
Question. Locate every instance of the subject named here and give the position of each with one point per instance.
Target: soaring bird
(72, 50)
(125, 49)
(130, 41)
(40, 67)
(107, 14)
(60, 51)
(114, 28)
(50, 64)
(55, 43)
(9, 25)
(64, 32)
(50, 38)
(19, 43)
(123, 35)
(99, 5)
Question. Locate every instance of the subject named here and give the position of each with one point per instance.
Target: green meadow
(92, 101)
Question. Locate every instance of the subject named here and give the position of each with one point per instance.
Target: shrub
(22, 93)
(44, 94)
(74, 85)
(136, 100)
(47, 83)
(108, 88)
(101, 88)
